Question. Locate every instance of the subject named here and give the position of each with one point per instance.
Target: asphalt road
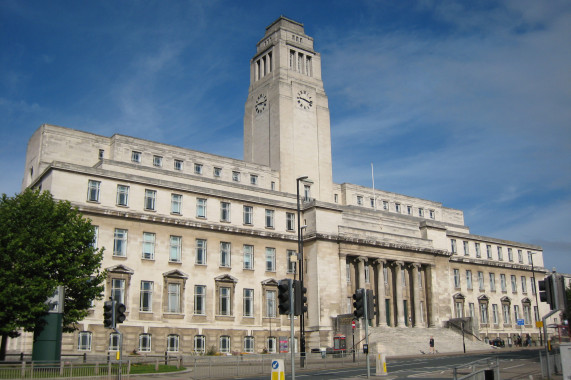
(513, 365)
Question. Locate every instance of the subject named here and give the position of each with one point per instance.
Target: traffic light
(359, 303)
(108, 318)
(370, 304)
(284, 297)
(300, 302)
(119, 313)
(546, 291)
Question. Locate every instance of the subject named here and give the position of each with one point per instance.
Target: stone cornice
(496, 264)
(486, 239)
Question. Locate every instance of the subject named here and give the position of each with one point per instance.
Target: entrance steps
(396, 341)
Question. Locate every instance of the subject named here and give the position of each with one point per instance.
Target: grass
(150, 368)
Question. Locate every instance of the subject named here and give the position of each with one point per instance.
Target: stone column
(398, 293)
(343, 281)
(416, 294)
(430, 297)
(381, 292)
(361, 270)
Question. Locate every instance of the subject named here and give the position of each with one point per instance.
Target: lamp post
(536, 303)
(300, 266)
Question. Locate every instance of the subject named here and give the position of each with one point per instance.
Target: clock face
(304, 100)
(261, 103)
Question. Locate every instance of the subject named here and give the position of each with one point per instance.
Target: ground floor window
(172, 343)
(249, 344)
(271, 345)
(145, 343)
(224, 344)
(113, 342)
(84, 341)
(199, 343)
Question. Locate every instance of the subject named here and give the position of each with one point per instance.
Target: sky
(460, 102)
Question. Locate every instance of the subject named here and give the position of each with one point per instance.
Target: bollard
(157, 365)
(381, 365)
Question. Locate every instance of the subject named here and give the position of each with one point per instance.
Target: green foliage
(567, 312)
(45, 243)
(211, 351)
(150, 368)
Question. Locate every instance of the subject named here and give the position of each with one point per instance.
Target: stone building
(195, 243)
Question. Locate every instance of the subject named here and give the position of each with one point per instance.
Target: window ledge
(173, 315)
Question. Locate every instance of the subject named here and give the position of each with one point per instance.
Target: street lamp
(536, 303)
(300, 266)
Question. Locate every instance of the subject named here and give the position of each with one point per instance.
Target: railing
(66, 370)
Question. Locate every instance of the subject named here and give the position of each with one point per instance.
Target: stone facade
(195, 243)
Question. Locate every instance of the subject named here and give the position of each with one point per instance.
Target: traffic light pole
(291, 327)
(366, 320)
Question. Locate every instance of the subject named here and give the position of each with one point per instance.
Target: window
(372, 202)
(523, 284)
(478, 252)
(397, 207)
(385, 205)
(197, 168)
(95, 243)
(532, 282)
(200, 252)
(114, 341)
(459, 308)
(269, 218)
(348, 272)
(527, 314)
(336, 198)
(93, 188)
(271, 344)
(172, 343)
(101, 154)
(199, 343)
(481, 281)
(520, 256)
(500, 254)
(367, 274)
(146, 303)
(224, 211)
(421, 212)
(136, 157)
(248, 302)
(432, 215)
(225, 254)
(270, 259)
(492, 282)
(157, 161)
(173, 298)
(516, 312)
(272, 185)
(201, 208)
(248, 256)
(176, 204)
(506, 312)
(224, 301)
(84, 341)
(248, 344)
(290, 221)
(122, 195)
(307, 193)
(224, 344)
(359, 200)
(529, 257)
(489, 251)
(386, 275)
(145, 343)
(120, 243)
(148, 246)
(236, 176)
(248, 215)
(510, 255)
(456, 278)
(199, 299)
(495, 314)
(453, 246)
(409, 210)
(484, 313)
(514, 284)
(469, 279)
(291, 261)
(503, 284)
(253, 179)
(175, 251)
(471, 310)
(403, 277)
(150, 198)
(178, 165)
(270, 303)
(466, 248)
(217, 172)
(118, 289)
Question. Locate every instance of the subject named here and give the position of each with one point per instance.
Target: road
(513, 365)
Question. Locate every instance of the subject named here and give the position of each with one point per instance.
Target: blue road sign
(520, 322)
(275, 364)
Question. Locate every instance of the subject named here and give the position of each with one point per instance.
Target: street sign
(520, 322)
(278, 369)
(353, 324)
(539, 324)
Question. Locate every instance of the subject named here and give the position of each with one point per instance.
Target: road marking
(515, 366)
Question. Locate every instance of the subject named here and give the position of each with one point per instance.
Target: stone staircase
(396, 341)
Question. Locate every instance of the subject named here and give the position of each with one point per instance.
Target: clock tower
(286, 120)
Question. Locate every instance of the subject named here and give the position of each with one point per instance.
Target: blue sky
(464, 103)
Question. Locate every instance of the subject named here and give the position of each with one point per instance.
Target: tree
(44, 243)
